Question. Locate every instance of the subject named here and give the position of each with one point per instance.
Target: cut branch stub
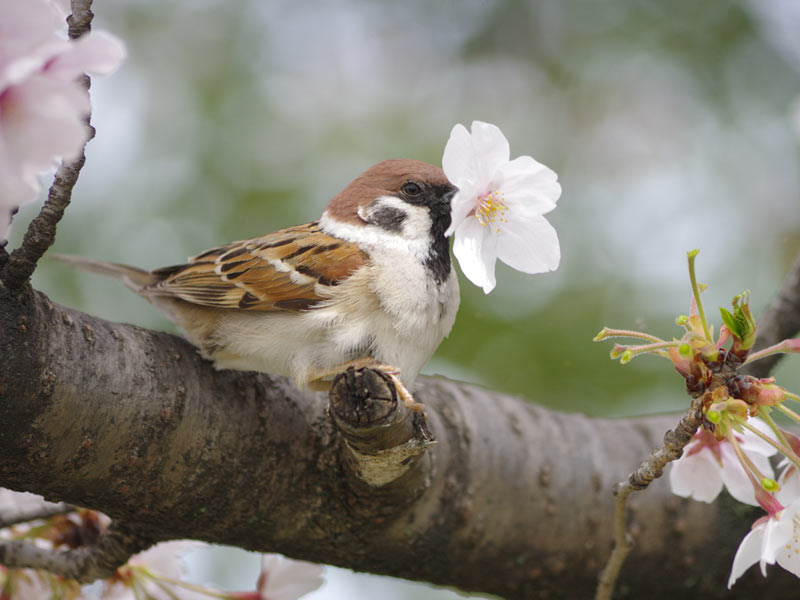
(382, 436)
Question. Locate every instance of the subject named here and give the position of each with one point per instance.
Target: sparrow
(370, 284)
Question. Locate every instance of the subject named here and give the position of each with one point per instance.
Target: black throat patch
(438, 260)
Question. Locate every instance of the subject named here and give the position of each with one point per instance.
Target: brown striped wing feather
(279, 271)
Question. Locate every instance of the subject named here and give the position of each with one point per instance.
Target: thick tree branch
(652, 468)
(780, 321)
(16, 269)
(512, 499)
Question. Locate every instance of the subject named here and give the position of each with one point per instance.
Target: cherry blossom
(497, 211)
(42, 104)
(775, 538)
(707, 464)
(282, 578)
(155, 574)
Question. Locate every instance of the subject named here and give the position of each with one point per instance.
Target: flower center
(491, 209)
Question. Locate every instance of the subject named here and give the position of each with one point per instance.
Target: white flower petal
(735, 478)
(27, 583)
(491, 150)
(99, 53)
(24, 26)
(789, 482)
(748, 553)
(166, 558)
(42, 106)
(476, 253)
(528, 185)
(776, 533)
(751, 443)
(696, 476)
(64, 7)
(286, 579)
(11, 501)
(529, 245)
(776, 539)
(19, 68)
(461, 205)
(790, 559)
(497, 212)
(458, 159)
(48, 121)
(788, 555)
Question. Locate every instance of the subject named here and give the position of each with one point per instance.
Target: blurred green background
(672, 125)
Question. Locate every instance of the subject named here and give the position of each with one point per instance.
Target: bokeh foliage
(670, 125)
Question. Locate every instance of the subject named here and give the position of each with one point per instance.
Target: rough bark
(512, 499)
(781, 320)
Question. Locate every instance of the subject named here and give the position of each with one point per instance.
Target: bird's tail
(133, 277)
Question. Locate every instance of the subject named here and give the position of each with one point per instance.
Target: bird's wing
(279, 271)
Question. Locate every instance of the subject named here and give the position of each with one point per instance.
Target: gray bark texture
(512, 499)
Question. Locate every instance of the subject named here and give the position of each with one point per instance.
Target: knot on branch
(383, 435)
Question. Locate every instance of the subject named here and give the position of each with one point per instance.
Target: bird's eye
(411, 189)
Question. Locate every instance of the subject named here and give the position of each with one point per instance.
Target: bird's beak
(449, 195)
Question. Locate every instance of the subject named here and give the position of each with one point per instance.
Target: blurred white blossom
(42, 105)
(156, 574)
(283, 578)
(775, 538)
(707, 464)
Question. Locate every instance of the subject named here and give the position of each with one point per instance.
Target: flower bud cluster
(156, 574)
(738, 433)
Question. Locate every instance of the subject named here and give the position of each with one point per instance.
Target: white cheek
(378, 240)
(413, 237)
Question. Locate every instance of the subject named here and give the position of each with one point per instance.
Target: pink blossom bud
(771, 395)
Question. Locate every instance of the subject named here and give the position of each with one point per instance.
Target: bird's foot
(321, 380)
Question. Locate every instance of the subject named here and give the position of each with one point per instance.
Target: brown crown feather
(382, 179)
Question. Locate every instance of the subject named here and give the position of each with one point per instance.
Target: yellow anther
(491, 210)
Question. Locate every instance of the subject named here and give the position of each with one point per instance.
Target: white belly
(396, 316)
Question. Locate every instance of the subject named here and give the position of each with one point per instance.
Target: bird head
(407, 198)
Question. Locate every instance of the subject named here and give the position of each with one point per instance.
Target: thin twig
(652, 468)
(16, 269)
(780, 321)
(41, 511)
(80, 21)
(86, 564)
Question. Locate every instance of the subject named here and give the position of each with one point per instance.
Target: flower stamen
(492, 209)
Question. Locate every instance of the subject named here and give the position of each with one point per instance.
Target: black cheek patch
(388, 218)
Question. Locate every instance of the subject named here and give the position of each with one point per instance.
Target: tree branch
(16, 269)
(652, 468)
(512, 499)
(781, 320)
(85, 565)
(80, 21)
(24, 515)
